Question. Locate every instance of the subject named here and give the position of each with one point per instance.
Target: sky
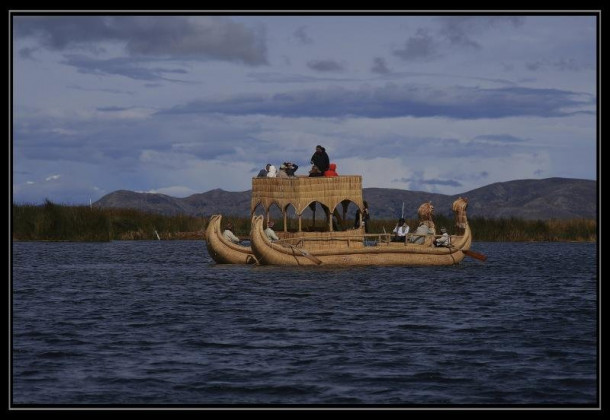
(184, 104)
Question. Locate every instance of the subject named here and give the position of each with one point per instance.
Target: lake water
(148, 323)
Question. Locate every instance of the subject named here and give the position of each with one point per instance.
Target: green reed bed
(56, 222)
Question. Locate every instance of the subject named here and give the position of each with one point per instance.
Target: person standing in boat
(365, 217)
(444, 240)
(229, 235)
(400, 231)
(320, 159)
(270, 232)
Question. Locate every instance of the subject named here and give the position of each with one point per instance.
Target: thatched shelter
(303, 191)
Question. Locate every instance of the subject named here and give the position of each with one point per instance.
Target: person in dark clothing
(320, 159)
(314, 171)
(263, 172)
(291, 168)
(365, 217)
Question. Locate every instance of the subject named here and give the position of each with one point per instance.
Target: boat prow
(222, 250)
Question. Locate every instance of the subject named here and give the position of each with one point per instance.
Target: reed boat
(222, 250)
(329, 246)
(348, 248)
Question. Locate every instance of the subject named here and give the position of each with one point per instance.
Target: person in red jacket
(331, 170)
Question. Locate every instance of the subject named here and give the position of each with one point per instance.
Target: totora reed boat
(222, 250)
(329, 246)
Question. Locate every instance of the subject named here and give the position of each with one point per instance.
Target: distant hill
(551, 198)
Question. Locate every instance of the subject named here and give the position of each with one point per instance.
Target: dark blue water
(159, 323)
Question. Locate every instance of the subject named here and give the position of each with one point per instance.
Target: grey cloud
(121, 141)
(200, 37)
(379, 66)
(533, 65)
(420, 182)
(567, 65)
(459, 30)
(501, 138)
(111, 108)
(454, 31)
(398, 101)
(422, 46)
(113, 91)
(561, 64)
(59, 32)
(325, 65)
(127, 67)
(27, 53)
(302, 36)
(270, 77)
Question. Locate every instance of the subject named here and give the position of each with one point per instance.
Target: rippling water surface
(159, 323)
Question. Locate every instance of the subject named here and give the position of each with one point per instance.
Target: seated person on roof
(331, 170)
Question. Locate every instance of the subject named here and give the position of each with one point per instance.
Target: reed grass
(56, 222)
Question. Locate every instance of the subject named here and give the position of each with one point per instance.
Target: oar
(474, 254)
(306, 254)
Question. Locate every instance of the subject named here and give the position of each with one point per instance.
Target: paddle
(306, 254)
(474, 254)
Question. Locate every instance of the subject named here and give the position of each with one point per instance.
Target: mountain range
(531, 199)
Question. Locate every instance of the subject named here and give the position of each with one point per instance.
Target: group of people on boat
(401, 231)
(401, 234)
(287, 169)
(320, 166)
(229, 235)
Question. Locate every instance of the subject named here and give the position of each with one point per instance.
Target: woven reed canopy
(301, 191)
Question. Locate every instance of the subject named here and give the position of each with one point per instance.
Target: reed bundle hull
(223, 251)
(352, 252)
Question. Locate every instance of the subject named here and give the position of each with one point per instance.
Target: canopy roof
(300, 191)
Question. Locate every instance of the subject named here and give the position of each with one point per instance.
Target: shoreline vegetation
(57, 222)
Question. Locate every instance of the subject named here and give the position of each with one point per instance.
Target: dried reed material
(223, 251)
(405, 254)
(301, 191)
(459, 208)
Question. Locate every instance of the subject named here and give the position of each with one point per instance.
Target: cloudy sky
(184, 104)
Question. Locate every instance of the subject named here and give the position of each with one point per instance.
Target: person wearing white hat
(272, 172)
